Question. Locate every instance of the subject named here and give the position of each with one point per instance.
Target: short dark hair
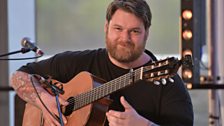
(138, 7)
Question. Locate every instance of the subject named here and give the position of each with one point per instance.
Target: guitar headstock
(165, 68)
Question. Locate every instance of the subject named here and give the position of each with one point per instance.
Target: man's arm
(22, 84)
(176, 106)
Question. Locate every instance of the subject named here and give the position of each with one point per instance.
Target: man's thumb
(125, 104)
(63, 102)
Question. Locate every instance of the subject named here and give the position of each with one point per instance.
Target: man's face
(125, 36)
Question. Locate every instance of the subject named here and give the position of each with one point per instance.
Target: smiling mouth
(123, 46)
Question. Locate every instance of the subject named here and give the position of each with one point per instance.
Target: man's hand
(50, 103)
(127, 118)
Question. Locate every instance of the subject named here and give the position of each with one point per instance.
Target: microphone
(26, 43)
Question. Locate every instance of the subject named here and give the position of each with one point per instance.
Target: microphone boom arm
(22, 50)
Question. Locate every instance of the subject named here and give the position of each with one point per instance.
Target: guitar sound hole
(70, 107)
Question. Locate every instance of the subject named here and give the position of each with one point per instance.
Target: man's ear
(106, 26)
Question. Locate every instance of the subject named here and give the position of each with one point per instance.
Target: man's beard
(124, 52)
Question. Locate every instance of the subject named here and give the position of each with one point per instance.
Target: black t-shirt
(168, 104)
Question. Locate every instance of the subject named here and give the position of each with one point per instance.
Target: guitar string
(109, 88)
(95, 93)
(113, 87)
(102, 86)
(79, 100)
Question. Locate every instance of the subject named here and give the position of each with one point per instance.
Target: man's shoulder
(153, 57)
(86, 52)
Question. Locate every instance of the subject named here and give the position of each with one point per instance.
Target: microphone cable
(54, 116)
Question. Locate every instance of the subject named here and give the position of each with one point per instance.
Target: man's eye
(136, 31)
(118, 29)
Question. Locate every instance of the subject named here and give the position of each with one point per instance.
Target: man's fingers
(64, 119)
(116, 114)
(63, 102)
(54, 120)
(51, 120)
(55, 112)
(114, 120)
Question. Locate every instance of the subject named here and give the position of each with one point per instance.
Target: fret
(131, 76)
(141, 73)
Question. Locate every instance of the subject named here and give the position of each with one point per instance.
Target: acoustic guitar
(87, 94)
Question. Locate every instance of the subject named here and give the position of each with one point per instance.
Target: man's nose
(125, 36)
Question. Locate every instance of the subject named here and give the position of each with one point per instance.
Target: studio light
(190, 34)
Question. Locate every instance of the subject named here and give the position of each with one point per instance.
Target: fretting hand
(51, 105)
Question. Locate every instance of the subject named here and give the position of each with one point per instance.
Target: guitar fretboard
(107, 88)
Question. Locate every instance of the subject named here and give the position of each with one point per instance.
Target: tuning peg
(171, 80)
(163, 81)
(156, 82)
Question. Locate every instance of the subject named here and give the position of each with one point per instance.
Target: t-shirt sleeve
(59, 66)
(176, 106)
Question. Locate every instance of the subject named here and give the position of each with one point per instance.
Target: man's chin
(122, 57)
(124, 54)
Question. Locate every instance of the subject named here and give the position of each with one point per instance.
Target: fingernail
(65, 103)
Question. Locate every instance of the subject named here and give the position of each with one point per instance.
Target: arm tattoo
(22, 84)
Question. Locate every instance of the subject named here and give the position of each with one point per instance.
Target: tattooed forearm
(22, 84)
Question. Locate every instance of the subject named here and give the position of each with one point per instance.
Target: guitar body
(89, 115)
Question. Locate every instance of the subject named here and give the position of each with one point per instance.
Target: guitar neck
(108, 88)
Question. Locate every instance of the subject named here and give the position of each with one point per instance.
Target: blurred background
(58, 26)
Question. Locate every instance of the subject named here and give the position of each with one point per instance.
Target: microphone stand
(22, 50)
